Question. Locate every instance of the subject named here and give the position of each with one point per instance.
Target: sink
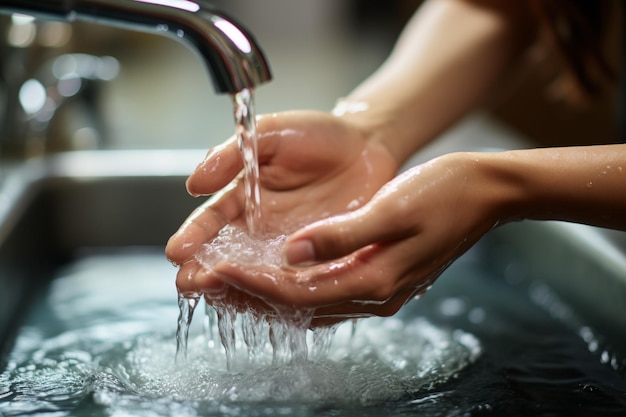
(51, 208)
(56, 211)
(583, 265)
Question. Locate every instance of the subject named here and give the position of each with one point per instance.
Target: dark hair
(578, 29)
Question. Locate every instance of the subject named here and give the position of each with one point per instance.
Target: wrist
(378, 124)
(496, 184)
(576, 184)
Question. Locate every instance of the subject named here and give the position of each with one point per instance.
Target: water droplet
(590, 388)
(354, 204)
(589, 184)
(452, 306)
(476, 315)
(605, 357)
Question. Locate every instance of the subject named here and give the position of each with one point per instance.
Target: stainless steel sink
(53, 207)
(584, 266)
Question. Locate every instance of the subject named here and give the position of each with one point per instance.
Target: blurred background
(158, 94)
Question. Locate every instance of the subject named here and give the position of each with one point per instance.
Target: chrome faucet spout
(232, 55)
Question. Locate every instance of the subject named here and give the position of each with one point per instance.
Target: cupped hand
(312, 165)
(370, 261)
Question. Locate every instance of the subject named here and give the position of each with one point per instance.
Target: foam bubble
(129, 370)
(406, 356)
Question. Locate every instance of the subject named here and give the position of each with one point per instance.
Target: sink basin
(56, 211)
(583, 265)
(54, 207)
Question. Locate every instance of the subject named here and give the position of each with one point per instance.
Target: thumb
(339, 236)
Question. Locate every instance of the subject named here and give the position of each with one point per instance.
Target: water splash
(286, 332)
(187, 304)
(283, 332)
(236, 246)
(128, 373)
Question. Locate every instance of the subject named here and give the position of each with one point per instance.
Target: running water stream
(286, 331)
(245, 129)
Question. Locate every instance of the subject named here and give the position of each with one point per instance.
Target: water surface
(101, 342)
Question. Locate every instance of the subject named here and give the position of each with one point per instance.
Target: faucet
(229, 51)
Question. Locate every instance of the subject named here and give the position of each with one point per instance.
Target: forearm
(447, 61)
(577, 184)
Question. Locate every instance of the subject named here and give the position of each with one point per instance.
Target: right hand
(370, 261)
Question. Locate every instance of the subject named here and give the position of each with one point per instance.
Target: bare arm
(383, 238)
(577, 184)
(450, 57)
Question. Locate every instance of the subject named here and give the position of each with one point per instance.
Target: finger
(232, 298)
(193, 278)
(224, 162)
(354, 278)
(318, 322)
(218, 168)
(184, 277)
(341, 235)
(204, 223)
(355, 309)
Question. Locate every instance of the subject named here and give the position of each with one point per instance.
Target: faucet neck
(230, 52)
(52, 9)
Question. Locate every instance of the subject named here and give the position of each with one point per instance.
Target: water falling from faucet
(245, 129)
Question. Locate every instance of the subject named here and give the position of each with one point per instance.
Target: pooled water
(100, 343)
(112, 349)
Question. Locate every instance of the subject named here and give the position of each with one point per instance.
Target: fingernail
(299, 252)
(188, 187)
(202, 169)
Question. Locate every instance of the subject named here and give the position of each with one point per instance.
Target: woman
(374, 238)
